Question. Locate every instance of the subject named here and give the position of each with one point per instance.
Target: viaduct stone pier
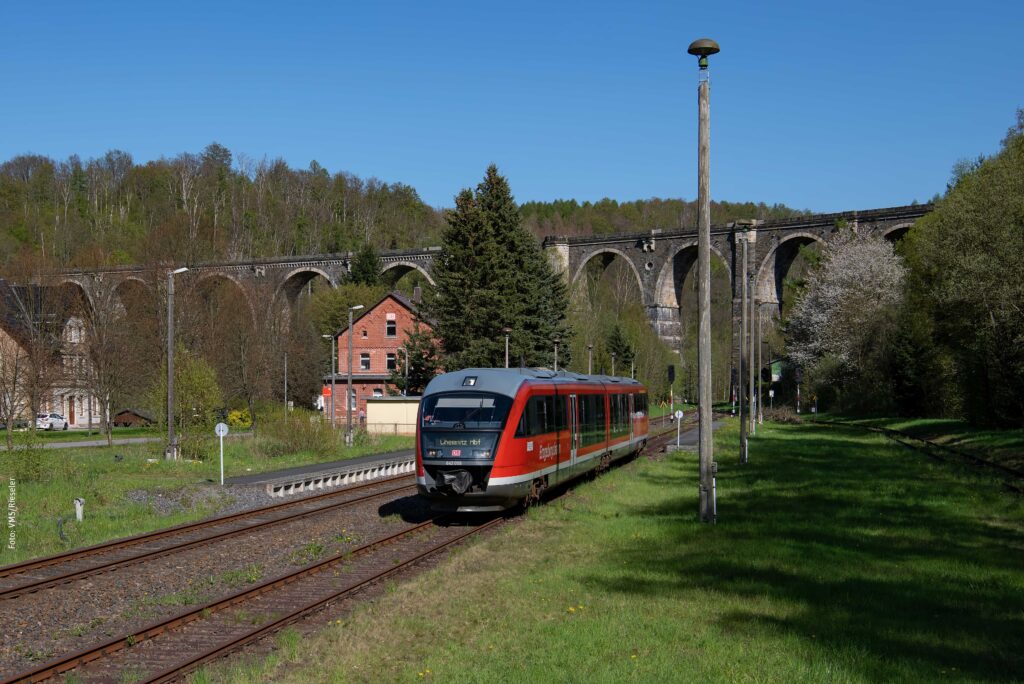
(660, 260)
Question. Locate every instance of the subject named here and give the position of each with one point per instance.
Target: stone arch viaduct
(659, 259)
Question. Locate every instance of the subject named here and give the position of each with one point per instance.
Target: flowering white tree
(844, 315)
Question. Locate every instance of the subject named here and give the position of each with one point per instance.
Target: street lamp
(556, 354)
(701, 49)
(507, 331)
(334, 357)
(172, 442)
(613, 364)
(590, 359)
(348, 393)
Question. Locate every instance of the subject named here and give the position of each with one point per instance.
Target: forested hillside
(217, 206)
(198, 207)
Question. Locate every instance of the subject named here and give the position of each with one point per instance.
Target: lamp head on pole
(179, 270)
(357, 307)
(701, 48)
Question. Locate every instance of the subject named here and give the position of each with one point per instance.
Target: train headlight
(432, 452)
(481, 453)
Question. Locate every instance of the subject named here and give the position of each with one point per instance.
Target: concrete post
(705, 437)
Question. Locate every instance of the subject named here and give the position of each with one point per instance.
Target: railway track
(167, 649)
(42, 573)
(170, 647)
(934, 449)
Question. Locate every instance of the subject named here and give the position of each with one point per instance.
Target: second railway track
(42, 573)
(167, 649)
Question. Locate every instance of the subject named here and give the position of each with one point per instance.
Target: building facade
(377, 338)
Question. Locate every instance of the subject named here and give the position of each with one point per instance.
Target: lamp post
(286, 383)
(348, 388)
(405, 386)
(507, 332)
(613, 364)
(334, 357)
(590, 359)
(556, 354)
(172, 442)
(702, 49)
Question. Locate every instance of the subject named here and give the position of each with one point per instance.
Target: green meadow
(838, 556)
(121, 483)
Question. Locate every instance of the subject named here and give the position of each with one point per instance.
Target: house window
(392, 365)
(364, 333)
(377, 393)
(392, 329)
(364, 361)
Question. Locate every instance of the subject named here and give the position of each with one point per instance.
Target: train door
(574, 431)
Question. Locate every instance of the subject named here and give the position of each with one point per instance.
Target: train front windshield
(466, 411)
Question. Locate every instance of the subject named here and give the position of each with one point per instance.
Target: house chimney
(417, 294)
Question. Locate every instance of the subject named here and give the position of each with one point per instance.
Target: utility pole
(556, 354)
(334, 358)
(171, 454)
(760, 363)
(751, 424)
(348, 387)
(590, 359)
(743, 345)
(701, 49)
(507, 332)
(286, 383)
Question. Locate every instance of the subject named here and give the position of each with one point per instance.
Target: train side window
(539, 416)
(560, 421)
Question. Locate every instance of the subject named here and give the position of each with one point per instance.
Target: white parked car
(51, 421)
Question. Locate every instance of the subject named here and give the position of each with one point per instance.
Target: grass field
(119, 494)
(838, 557)
(1002, 446)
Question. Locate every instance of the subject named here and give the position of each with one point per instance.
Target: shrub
(782, 414)
(240, 418)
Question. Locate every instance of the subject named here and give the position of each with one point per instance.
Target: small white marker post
(679, 420)
(221, 430)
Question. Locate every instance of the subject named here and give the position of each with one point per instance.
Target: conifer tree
(365, 266)
(492, 275)
(620, 346)
(423, 359)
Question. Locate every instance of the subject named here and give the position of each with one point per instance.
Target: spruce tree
(424, 362)
(365, 269)
(491, 274)
(464, 302)
(534, 297)
(620, 346)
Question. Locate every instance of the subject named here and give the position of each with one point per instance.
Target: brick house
(379, 336)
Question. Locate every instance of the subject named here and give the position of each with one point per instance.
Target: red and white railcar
(489, 438)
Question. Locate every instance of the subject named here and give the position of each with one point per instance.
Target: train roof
(507, 381)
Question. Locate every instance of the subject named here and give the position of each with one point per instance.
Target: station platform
(303, 479)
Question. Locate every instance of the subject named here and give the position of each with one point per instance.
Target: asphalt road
(103, 442)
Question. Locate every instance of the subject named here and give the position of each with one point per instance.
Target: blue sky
(819, 105)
